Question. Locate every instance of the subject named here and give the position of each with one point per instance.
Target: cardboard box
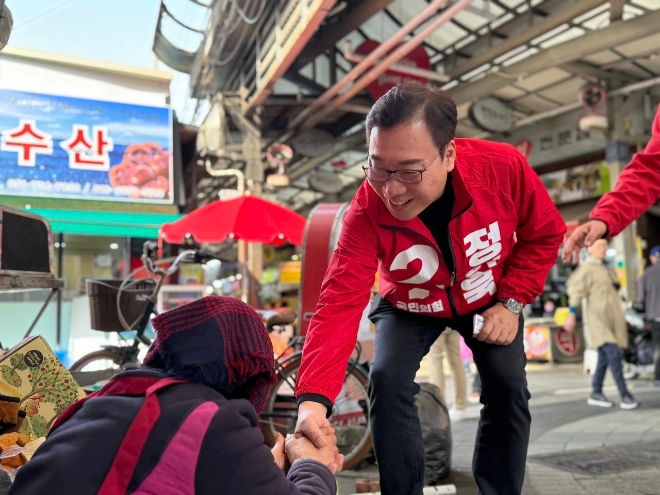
(32, 372)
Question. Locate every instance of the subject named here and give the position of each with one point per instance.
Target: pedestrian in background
(648, 292)
(606, 325)
(449, 345)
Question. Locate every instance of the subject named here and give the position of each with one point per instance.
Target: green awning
(106, 223)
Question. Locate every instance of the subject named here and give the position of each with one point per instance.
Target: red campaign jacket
(638, 187)
(497, 194)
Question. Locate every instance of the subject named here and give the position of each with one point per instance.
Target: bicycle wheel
(350, 414)
(96, 361)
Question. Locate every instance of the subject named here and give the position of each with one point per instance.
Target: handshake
(295, 447)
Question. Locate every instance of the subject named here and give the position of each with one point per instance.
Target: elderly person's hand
(279, 455)
(303, 448)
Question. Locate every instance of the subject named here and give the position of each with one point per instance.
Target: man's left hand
(500, 327)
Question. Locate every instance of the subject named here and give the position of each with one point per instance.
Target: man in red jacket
(638, 188)
(436, 218)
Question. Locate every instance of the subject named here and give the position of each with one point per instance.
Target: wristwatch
(512, 305)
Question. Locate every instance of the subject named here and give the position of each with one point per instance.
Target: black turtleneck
(436, 217)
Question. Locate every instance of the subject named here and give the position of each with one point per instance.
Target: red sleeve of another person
(638, 187)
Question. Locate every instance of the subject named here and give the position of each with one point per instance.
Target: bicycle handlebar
(149, 255)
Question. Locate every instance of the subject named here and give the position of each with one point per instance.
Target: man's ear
(450, 155)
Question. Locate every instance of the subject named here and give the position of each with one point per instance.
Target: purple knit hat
(218, 341)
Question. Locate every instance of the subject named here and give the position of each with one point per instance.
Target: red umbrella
(249, 218)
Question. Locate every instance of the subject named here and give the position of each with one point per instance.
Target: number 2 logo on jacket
(482, 250)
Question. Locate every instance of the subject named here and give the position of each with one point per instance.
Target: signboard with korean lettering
(62, 147)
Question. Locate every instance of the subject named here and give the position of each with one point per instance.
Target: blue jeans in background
(609, 355)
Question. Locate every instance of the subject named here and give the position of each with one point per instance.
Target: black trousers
(402, 340)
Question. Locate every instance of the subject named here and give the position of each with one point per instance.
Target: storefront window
(86, 257)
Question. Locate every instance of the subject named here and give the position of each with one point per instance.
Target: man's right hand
(311, 420)
(584, 236)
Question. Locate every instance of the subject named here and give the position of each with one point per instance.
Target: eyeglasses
(404, 176)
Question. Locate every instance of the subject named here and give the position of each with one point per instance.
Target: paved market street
(575, 449)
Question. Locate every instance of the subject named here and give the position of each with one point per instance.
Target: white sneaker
(628, 402)
(457, 414)
(598, 399)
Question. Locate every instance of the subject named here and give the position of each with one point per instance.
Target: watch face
(514, 306)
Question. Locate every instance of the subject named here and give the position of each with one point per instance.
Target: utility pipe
(553, 112)
(240, 177)
(405, 69)
(392, 58)
(631, 88)
(365, 64)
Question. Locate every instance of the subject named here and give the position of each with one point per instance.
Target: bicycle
(350, 413)
(124, 357)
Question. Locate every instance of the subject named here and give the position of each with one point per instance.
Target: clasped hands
(287, 450)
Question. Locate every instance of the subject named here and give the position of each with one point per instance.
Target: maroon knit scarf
(217, 341)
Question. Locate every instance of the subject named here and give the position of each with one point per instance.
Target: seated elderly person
(185, 423)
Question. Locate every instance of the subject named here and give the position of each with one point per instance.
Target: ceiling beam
(616, 10)
(305, 83)
(330, 32)
(341, 144)
(570, 51)
(588, 70)
(356, 105)
(286, 53)
(548, 24)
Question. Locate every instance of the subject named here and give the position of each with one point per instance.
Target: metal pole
(406, 69)
(126, 257)
(60, 257)
(240, 244)
(43, 308)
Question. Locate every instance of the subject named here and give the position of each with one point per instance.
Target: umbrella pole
(245, 273)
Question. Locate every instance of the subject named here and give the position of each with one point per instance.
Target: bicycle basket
(103, 302)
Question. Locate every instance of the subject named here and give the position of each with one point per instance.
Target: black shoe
(628, 402)
(598, 399)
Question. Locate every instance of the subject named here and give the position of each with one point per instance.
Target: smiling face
(409, 146)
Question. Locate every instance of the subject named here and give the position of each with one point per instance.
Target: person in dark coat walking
(185, 423)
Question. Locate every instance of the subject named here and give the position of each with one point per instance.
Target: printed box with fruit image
(32, 372)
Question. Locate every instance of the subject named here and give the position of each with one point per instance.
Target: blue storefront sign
(61, 147)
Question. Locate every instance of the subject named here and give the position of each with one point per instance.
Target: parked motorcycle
(638, 356)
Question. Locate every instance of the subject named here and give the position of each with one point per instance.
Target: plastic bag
(12, 451)
(436, 433)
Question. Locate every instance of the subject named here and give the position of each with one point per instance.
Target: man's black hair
(416, 102)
